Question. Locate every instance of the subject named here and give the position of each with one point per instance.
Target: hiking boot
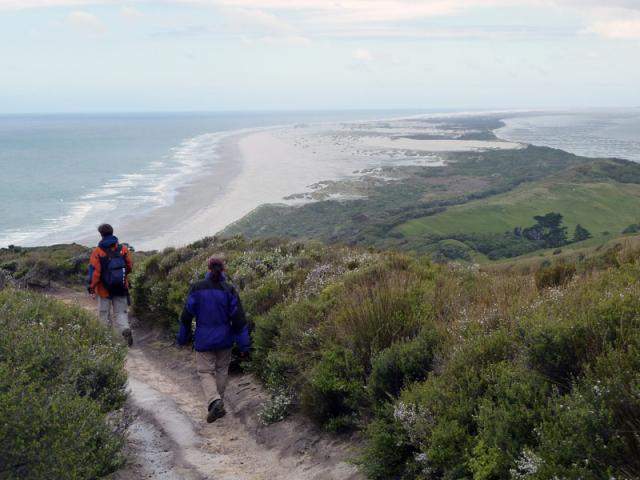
(216, 411)
(128, 336)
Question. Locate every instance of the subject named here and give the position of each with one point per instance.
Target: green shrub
(388, 452)
(401, 364)
(555, 394)
(335, 390)
(352, 338)
(376, 310)
(267, 295)
(440, 414)
(508, 412)
(61, 372)
(555, 276)
(39, 266)
(447, 250)
(265, 334)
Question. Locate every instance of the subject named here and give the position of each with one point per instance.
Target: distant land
(471, 205)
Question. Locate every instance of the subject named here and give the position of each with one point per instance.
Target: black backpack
(113, 271)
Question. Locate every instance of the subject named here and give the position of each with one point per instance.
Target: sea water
(61, 174)
(599, 133)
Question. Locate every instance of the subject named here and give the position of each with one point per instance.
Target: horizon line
(318, 110)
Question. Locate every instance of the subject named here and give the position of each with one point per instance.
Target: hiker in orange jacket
(109, 268)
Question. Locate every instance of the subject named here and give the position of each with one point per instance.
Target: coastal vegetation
(468, 208)
(40, 267)
(448, 371)
(61, 380)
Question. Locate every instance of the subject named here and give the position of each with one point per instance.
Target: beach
(281, 165)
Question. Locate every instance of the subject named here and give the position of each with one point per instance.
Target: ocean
(603, 133)
(63, 174)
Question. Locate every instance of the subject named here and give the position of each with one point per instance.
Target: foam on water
(154, 186)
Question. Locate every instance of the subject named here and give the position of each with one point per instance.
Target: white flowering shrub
(526, 466)
(276, 408)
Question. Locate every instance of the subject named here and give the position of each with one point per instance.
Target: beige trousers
(213, 370)
(114, 310)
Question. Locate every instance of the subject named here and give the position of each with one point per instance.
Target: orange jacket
(95, 266)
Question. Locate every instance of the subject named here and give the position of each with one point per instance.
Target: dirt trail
(169, 438)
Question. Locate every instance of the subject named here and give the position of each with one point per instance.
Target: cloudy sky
(150, 55)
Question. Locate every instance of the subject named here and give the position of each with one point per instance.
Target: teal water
(62, 173)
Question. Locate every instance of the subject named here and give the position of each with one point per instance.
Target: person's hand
(92, 292)
(244, 355)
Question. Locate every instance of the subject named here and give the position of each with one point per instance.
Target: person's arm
(94, 271)
(236, 312)
(186, 319)
(128, 259)
(243, 340)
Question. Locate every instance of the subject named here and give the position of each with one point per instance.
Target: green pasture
(599, 207)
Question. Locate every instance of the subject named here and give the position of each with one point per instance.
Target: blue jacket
(215, 306)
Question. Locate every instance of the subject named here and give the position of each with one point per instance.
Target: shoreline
(244, 176)
(284, 164)
(172, 224)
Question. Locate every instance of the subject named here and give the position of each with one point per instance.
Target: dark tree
(581, 234)
(548, 230)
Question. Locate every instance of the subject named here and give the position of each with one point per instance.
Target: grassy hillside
(61, 374)
(599, 207)
(449, 372)
(473, 199)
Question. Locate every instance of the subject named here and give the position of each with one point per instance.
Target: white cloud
(391, 18)
(362, 55)
(304, 19)
(362, 11)
(293, 40)
(25, 4)
(85, 21)
(259, 26)
(130, 12)
(242, 18)
(617, 29)
(362, 60)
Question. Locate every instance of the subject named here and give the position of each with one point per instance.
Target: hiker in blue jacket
(220, 323)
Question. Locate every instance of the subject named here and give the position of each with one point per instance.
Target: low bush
(276, 408)
(403, 363)
(40, 266)
(555, 276)
(388, 453)
(552, 395)
(61, 373)
(335, 391)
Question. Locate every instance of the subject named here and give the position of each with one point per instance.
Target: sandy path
(169, 438)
